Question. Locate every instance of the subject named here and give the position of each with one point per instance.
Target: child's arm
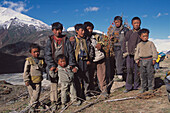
(26, 75)
(136, 57)
(75, 69)
(155, 53)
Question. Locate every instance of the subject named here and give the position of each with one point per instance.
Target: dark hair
(143, 31)
(86, 24)
(78, 26)
(32, 46)
(57, 26)
(61, 56)
(118, 18)
(135, 18)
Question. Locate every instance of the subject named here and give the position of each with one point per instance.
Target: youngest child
(32, 75)
(66, 78)
(145, 56)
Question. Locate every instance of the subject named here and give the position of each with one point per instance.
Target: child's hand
(52, 68)
(88, 63)
(27, 83)
(98, 46)
(56, 69)
(154, 62)
(138, 63)
(74, 70)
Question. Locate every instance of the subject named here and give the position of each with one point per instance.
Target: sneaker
(104, 95)
(118, 78)
(150, 90)
(88, 97)
(126, 91)
(77, 103)
(142, 91)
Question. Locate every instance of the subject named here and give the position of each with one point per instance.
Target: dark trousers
(82, 79)
(110, 70)
(119, 60)
(132, 73)
(147, 73)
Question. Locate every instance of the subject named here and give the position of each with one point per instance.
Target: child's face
(57, 33)
(117, 23)
(80, 33)
(136, 24)
(62, 62)
(144, 36)
(35, 52)
(90, 30)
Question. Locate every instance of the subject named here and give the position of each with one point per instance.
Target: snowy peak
(9, 16)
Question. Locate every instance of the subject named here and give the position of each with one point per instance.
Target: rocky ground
(15, 98)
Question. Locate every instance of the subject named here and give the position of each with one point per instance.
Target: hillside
(17, 100)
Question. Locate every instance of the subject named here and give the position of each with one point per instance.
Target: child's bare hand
(111, 37)
(52, 68)
(98, 46)
(74, 70)
(137, 62)
(56, 69)
(88, 63)
(27, 83)
(154, 62)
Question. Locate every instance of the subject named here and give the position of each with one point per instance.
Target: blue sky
(155, 14)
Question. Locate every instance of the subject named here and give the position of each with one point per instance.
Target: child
(119, 31)
(129, 46)
(99, 63)
(57, 44)
(33, 72)
(66, 78)
(83, 59)
(146, 54)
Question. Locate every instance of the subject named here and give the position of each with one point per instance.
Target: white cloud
(168, 36)
(161, 44)
(165, 13)
(158, 15)
(91, 9)
(144, 16)
(18, 6)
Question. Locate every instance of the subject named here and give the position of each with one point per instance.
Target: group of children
(75, 61)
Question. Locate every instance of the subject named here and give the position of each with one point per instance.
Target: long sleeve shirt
(146, 49)
(131, 40)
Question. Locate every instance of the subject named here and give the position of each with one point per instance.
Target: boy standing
(100, 61)
(146, 55)
(129, 46)
(119, 32)
(33, 72)
(83, 52)
(66, 78)
(57, 44)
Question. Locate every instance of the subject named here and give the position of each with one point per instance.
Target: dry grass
(156, 104)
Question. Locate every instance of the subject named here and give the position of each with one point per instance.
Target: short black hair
(144, 30)
(32, 46)
(57, 26)
(86, 24)
(61, 56)
(118, 18)
(78, 26)
(135, 18)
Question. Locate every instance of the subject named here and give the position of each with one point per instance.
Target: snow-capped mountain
(10, 17)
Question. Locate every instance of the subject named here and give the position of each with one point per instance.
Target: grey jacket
(65, 74)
